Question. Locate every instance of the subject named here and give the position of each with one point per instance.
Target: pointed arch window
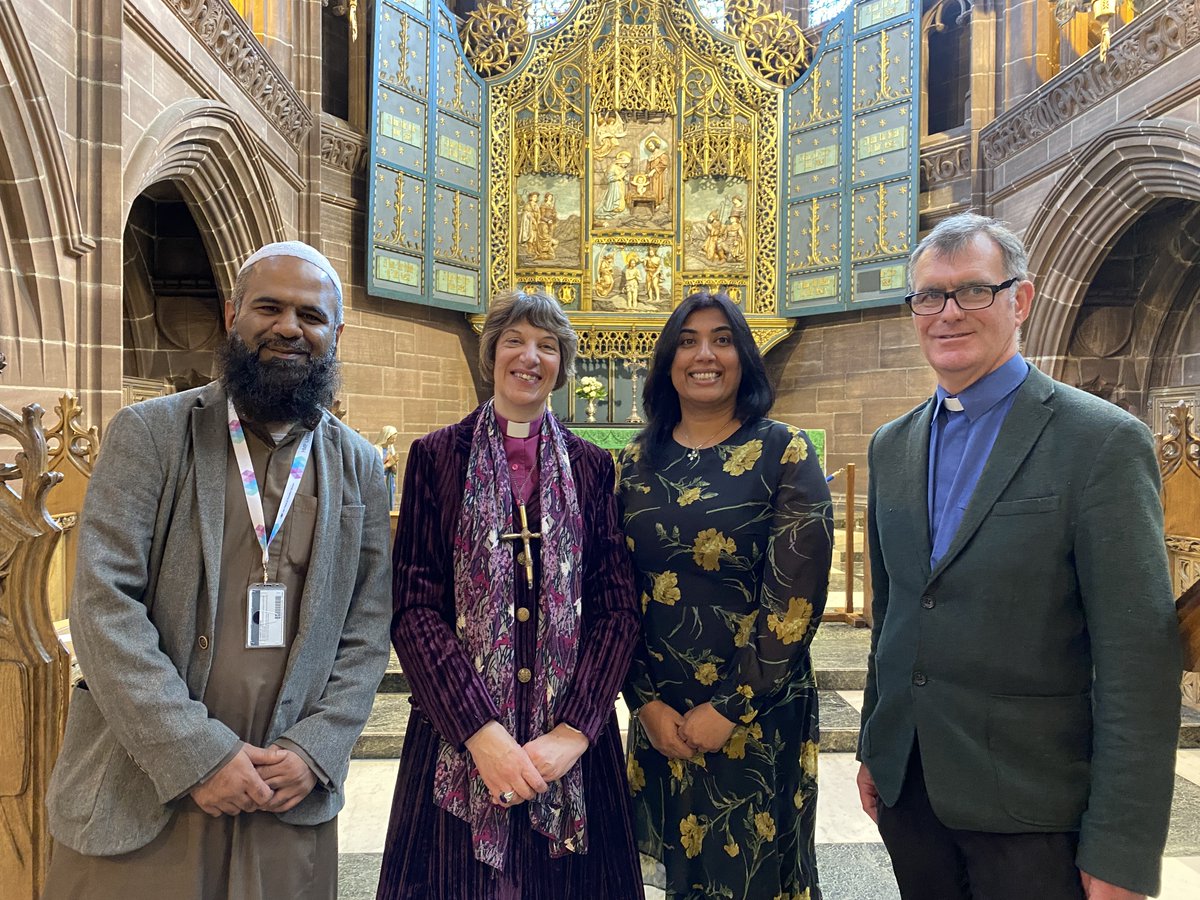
(821, 11)
(543, 14)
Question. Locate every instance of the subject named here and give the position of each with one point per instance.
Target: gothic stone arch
(1112, 181)
(213, 158)
(39, 219)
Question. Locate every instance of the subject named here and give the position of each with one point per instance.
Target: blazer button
(928, 602)
(203, 642)
(523, 676)
(522, 614)
(919, 679)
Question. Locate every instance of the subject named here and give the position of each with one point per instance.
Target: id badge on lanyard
(266, 601)
(266, 613)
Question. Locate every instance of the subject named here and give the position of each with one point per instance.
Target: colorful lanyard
(250, 483)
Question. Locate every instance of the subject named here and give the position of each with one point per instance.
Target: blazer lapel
(210, 447)
(1018, 434)
(327, 457)
(916, 481)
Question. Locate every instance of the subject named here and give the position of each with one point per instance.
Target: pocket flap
(1025, 506)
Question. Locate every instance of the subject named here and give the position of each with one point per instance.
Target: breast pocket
(1025, 506)
(301, 525)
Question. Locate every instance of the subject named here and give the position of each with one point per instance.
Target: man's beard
(279, 390)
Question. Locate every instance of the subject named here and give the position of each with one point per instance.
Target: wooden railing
(853, 536)
(34, 667)
(1179, 464)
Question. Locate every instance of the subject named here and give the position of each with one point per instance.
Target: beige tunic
(253, 856)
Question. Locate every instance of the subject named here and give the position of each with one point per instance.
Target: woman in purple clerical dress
(514, 619)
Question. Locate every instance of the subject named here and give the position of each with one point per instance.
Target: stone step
(384, 735)
(839, 654)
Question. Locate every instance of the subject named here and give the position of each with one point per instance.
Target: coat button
(919, 679)
(522, 614)
(928, 602)
(203, 642)
(523, 676)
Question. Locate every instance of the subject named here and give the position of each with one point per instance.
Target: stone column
(1029, 37)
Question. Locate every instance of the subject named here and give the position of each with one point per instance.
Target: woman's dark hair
(659, 397)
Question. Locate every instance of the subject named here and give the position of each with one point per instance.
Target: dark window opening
(949, 68)
(335, 64)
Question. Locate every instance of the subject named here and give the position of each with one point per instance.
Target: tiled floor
(853, 863)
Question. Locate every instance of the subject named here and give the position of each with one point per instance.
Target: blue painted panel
(458, 152)
(851, 150)
(428, 238)
(456, 227)
(400, 130)
(457, 91)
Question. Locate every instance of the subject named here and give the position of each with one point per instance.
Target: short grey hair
(540, 310)
(953, 235)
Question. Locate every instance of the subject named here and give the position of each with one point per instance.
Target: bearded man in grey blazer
(1022, 702)
(230, 615)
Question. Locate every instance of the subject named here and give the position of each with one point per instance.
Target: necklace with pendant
(693, 453)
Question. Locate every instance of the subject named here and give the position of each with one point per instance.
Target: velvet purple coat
(428, 854)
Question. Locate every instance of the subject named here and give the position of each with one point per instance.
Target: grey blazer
(144, 609)
(1038, 662)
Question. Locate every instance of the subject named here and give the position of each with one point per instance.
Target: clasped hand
(504, 765)
(256, 779)
(682, 735)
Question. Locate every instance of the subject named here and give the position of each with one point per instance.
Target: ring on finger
(507, 796)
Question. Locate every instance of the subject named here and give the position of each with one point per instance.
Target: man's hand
(662, 723)
(555, 752)
(867, 795)
(704, 729)
(504, 765)
(1095, 889)
(236, 787)
(288, 775)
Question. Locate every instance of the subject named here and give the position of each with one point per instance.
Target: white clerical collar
(519, 430)
(953, 404)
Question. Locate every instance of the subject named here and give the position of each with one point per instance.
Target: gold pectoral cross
(524, 536)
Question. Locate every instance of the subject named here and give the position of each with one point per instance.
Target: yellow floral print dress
(732, 548)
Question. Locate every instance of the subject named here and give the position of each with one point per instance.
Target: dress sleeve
(639, 688)
(611, 623)
(791, 595)
(444, 682)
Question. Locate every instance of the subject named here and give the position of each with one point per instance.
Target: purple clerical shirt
(522, 458)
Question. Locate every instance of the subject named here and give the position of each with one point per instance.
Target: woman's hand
(555, 752)
(704, 729)
(504, 765)
(662, 724)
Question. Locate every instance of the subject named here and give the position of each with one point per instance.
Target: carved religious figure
(545, 242)
(530, 218)
(607, 133)
(635, 273)
(614, 203)
(654, 167)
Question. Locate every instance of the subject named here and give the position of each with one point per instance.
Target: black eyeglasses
(969, 296)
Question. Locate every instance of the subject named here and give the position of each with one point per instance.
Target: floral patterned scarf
(484, 588)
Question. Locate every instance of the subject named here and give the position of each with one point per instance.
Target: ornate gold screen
(634, 159)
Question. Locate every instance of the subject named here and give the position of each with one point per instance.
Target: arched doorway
(172, 308)
(199, 202)
(1121, 220)
(1131, 335)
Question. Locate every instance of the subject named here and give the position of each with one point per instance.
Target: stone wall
(849, 374)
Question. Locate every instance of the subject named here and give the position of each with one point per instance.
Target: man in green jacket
(1022, 700)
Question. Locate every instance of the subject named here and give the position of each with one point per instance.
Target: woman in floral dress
(728, 517)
